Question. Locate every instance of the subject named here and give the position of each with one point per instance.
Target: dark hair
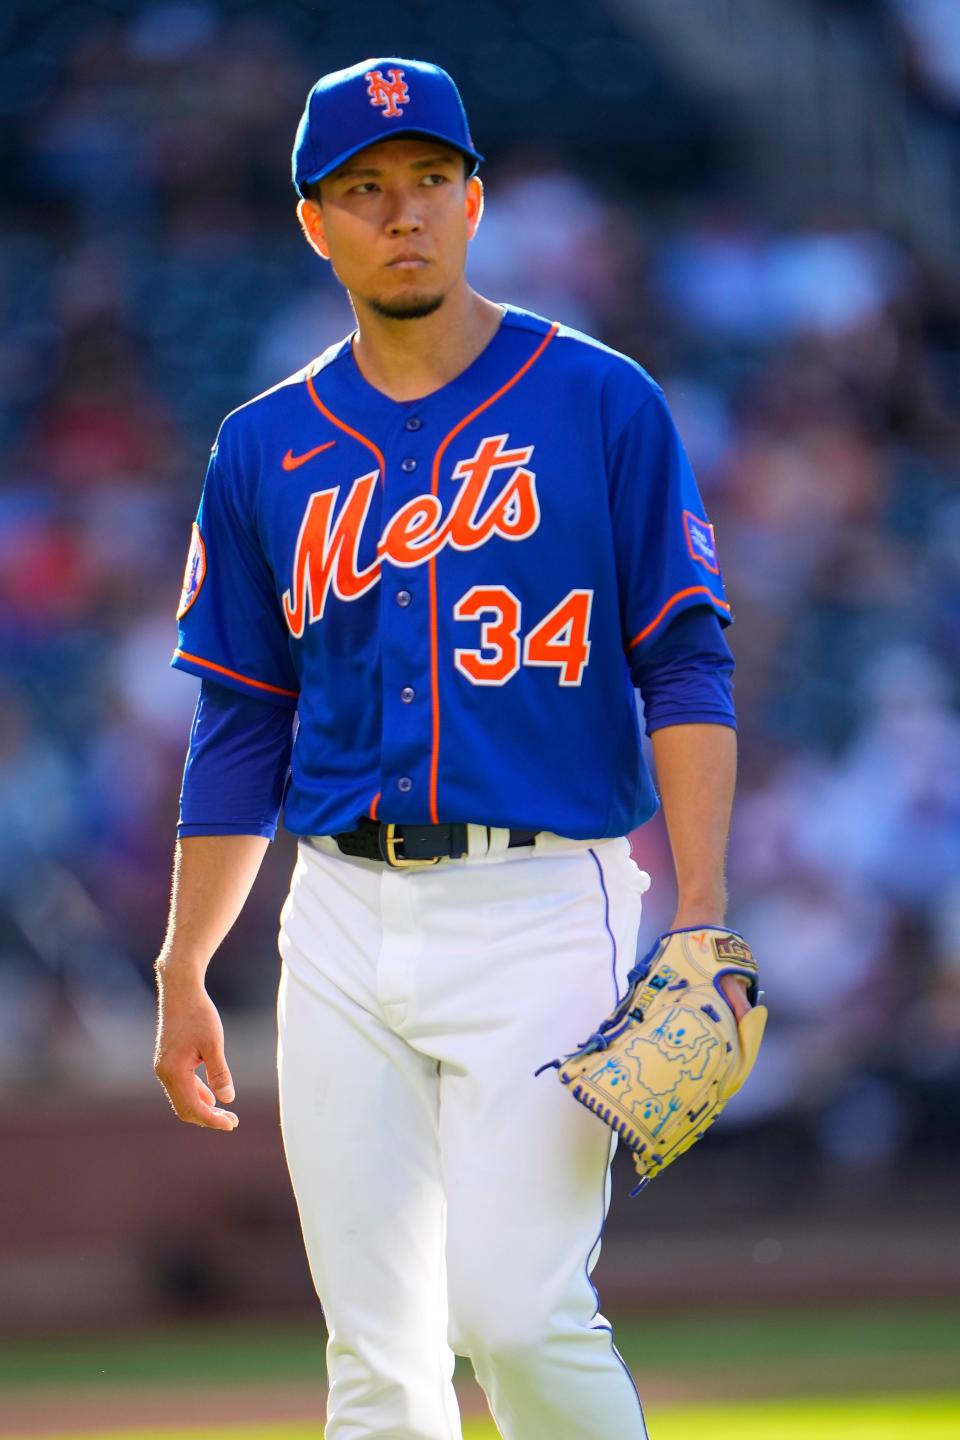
(310, 190)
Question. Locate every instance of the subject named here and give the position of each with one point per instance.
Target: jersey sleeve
(685, 674)
(231, 626)
(665, 550)
(237, 763)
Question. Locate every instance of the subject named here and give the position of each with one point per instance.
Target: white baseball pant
(449, 1200)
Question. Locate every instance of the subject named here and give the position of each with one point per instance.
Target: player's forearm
(212, 877)
(696, 771)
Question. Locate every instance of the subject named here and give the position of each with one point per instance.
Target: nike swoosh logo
(293, 462)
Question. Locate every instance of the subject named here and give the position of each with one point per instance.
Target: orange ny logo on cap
(390, 94)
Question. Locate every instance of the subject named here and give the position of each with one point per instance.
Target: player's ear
(310, 215)
(474, 205)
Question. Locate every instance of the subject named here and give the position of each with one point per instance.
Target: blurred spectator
(930, 30)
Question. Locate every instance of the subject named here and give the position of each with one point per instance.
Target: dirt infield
(82, 1410)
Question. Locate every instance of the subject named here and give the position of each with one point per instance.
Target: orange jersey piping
(235, 674)
(373, 805)
(680, 595)
(347, 429)
(432, 563)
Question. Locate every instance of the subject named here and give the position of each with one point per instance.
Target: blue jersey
(451, 591)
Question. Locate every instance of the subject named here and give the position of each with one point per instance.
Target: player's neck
(408, 359)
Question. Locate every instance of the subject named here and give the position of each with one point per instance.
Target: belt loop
(478, 841)
(548, 841)
(499, 840)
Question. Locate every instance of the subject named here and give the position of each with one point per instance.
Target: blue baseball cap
(348, 110)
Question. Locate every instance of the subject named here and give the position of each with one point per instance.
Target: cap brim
(338, 160)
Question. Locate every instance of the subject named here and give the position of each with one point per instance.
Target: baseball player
(428, 574)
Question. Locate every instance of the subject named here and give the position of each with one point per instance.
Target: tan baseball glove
(660, 1069)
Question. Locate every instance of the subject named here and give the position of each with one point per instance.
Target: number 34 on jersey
(560, 639)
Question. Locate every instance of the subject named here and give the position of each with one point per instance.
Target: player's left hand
(735, 989)
(660, 1069)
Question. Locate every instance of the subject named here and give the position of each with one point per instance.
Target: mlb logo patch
(194, 572)
(700, 542)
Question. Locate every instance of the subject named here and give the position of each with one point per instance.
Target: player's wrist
(182, 969)
(708, 908)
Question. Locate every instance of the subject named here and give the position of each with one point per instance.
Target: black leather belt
(401, 845)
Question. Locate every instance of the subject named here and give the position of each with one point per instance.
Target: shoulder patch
(700, 542)
(194, 571)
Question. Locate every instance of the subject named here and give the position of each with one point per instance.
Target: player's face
(395, 222)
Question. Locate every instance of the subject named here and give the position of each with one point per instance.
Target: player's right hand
(190, 1033)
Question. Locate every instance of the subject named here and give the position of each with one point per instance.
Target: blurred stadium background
(760, 201)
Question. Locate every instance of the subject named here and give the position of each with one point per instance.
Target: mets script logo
(390, 95)
(327, 550)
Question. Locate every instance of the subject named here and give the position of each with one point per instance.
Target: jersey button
(412, 422)
(405, 784)
(403, 598)
(408, 465)
(407, 694)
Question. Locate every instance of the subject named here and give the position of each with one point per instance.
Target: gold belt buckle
(390, 842)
